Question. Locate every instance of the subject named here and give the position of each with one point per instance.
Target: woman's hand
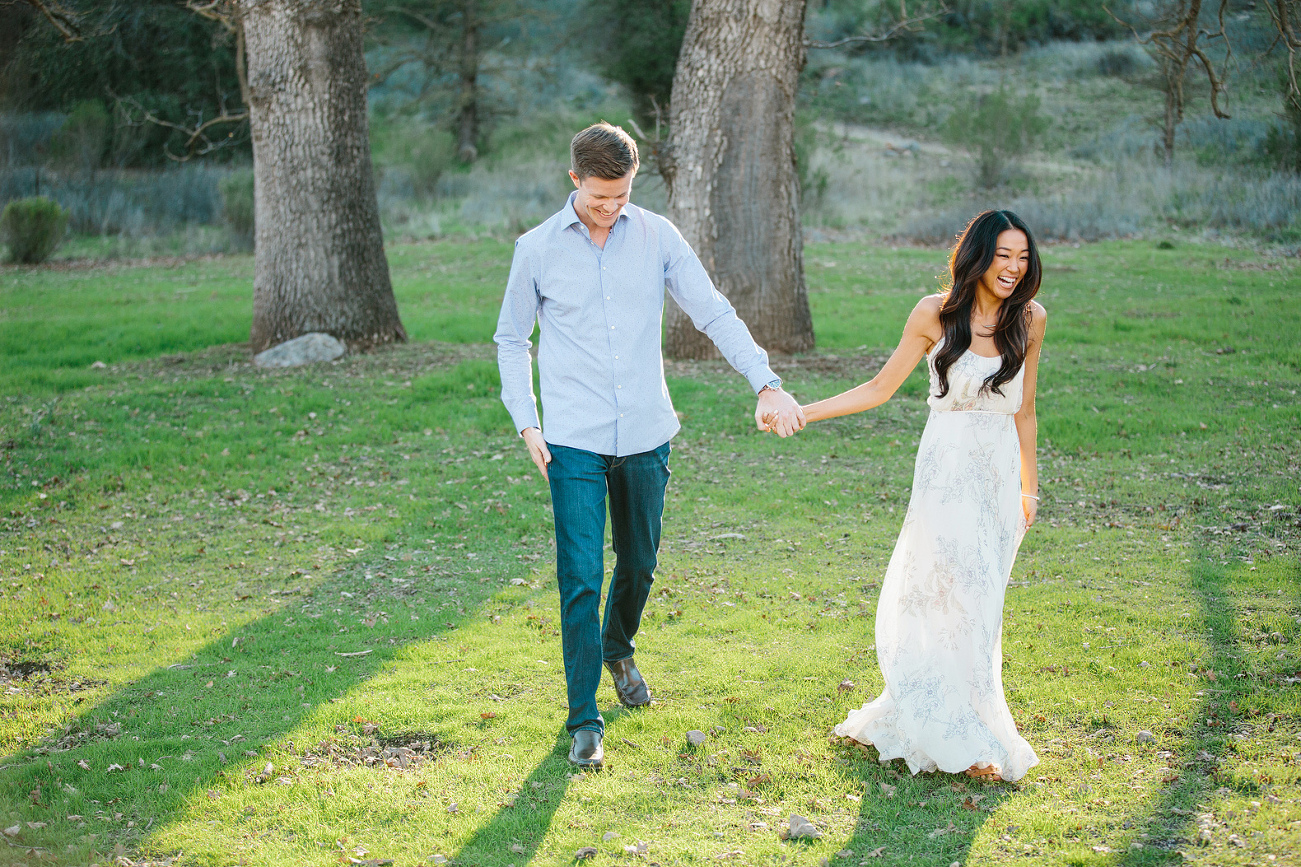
(1030, 508)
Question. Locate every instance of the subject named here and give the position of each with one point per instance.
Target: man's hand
(538, 450)
(778, 412)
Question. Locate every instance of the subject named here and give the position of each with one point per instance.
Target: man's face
(599, 200)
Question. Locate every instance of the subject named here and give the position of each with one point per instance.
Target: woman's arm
(1027, 427)
(921, 332)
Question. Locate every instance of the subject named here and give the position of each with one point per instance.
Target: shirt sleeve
(519, 313)
(689, 284)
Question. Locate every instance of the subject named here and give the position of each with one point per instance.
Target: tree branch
(66, 21)
(905, 23)
(197, 142)
(1286, 15)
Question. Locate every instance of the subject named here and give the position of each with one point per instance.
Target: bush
(420, 152)
(428, 156)
(1117, 63)
(1001, 128)
(649, 35)
(33, 228)
(813, 181)
(1283, 142)
(237, 205)
(83, 139)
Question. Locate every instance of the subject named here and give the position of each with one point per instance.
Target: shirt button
(616, 358)
(620, 415)
(611, 327)
(618, 386)
(607, 297)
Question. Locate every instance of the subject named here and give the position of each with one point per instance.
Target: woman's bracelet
(1031, 496)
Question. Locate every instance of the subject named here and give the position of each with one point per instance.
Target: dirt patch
(27, 669)
(399, 751)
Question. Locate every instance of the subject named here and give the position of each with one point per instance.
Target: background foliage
(892, 139)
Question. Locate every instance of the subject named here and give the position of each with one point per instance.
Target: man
(593, 277)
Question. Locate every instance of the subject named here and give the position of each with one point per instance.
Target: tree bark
(730, 168)
(319, 263)
(467, 121)
(1170, 127)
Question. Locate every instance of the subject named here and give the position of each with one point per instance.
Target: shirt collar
(569, 216)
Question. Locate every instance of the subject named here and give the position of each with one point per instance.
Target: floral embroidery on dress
(940, 617)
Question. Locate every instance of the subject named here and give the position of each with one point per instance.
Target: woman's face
(1011, 259)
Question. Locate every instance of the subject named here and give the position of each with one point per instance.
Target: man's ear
(573, 177)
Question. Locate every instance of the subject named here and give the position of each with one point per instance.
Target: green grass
(206, 568)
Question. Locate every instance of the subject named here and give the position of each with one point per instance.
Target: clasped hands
(778, 413)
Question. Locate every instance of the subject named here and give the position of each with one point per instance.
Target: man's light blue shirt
(599, 313)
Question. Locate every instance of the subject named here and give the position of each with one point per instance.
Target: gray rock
(608, 836)
(1144, 737)
(585, 853)
(307, 349)
(696, 738)
(802, 828)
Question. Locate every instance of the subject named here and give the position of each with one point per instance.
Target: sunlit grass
(209, 568)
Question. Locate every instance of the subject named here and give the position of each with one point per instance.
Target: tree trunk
(1171, 125)
(733, 186)
(467, 121)
(320, 262)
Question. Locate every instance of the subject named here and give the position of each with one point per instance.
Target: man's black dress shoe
(586, 751)
(628, 683)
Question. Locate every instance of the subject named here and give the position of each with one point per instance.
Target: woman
(975, 492)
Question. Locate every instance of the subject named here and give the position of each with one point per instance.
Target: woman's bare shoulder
(929, 307)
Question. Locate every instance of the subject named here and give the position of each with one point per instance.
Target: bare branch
(197, 142)
(1286, 15)
(224, 12)
(64, 20)
(906, 23)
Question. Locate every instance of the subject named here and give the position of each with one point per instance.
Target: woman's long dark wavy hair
(971, 257)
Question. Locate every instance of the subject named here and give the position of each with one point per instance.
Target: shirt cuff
(525, 417)
(761, 377)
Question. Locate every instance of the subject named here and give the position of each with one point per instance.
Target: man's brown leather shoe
(586, 751)
(628, 683)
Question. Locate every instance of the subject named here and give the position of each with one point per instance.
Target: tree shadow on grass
(936, 816)
(515, 832)
(1194, 768)
(140, 759)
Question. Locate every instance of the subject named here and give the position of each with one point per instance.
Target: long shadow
(1194, 768)
(891, 820)
(135, 761)
(515, 832)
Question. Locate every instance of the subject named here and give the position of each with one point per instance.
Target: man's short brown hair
(603, 151)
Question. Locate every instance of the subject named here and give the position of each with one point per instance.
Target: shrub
(237, 205)
(428, 156)
(813, 180)
(33, 228)
(649, 35)
(83, 139)
(1117, 63)
(1002, 128)
(420, 152)
(25, 137)
(1283, 142)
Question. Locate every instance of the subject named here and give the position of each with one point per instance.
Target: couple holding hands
(592, 277)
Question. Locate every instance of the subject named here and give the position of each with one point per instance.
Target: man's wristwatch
(774, 385)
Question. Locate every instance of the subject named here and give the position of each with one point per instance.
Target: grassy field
(309, 617)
